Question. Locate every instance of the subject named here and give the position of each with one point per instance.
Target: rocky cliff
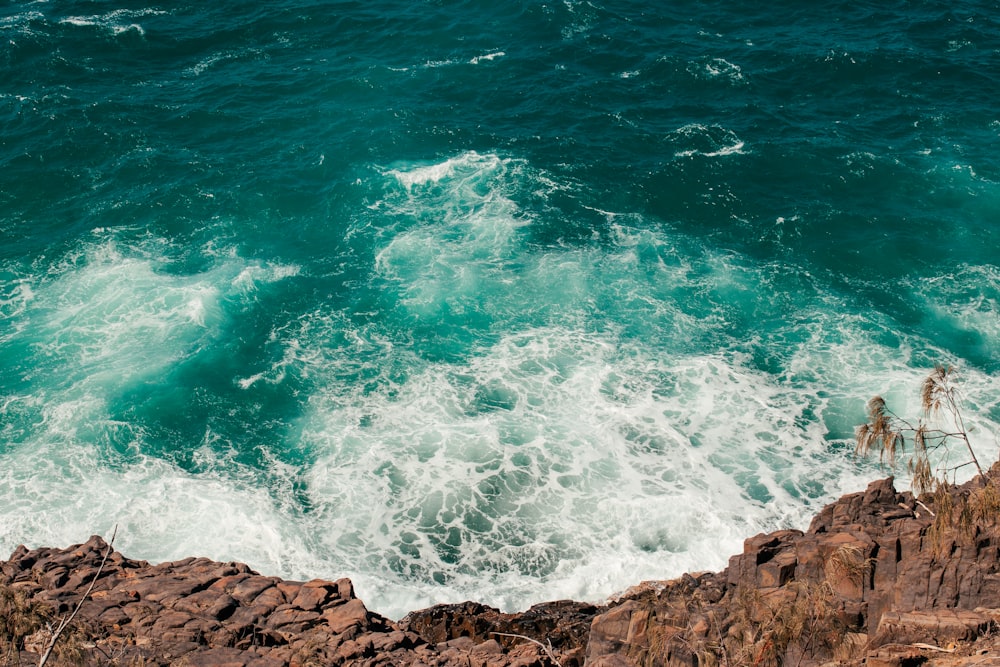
(880, 578)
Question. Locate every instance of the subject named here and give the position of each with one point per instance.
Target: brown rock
(291, 620)
(246, 591)
(219, 657)
(341, 618)
(777, 571)
(615, 660)
(940, 627)
(227, 583)
(443, 622)
(208, 603)
(868, 569)
(313, 595)
(289, 589)
(345, 589)
(609, 632)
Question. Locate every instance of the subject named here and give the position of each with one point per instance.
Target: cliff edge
(881, 578)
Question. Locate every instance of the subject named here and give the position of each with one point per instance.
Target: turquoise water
(459, 300)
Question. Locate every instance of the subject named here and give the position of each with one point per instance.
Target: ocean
(465, 300)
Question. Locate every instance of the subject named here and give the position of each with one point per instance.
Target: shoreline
(877, 575)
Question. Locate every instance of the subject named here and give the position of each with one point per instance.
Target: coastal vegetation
(933, 433)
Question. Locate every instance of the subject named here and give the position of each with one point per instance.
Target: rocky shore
(880, 578)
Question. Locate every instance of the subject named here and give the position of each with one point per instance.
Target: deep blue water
(464, 300)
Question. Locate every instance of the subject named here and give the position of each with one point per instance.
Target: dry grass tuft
(937, 392)
(941, 534)
(985, 504)
(20, 618)
(921, 475)
(878, 433)
(963, 516)
(848, 562)
(766, 630)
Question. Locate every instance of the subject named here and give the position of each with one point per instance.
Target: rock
(443, 622)
(940, 627)
(340, 619)
(873, 579)
(313, 595)
(626, 624)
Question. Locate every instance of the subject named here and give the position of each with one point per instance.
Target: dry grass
(848, 562)
(963, 516)
(792, 625)
(942, 531)
(26, 625)
(880, 432)
(20, 618)
(770, 630)
(888, 434)
(984, 503)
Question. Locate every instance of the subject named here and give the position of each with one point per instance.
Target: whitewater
(462, 302)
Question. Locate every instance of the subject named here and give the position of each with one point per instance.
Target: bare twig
(69, 619)
(548, 649)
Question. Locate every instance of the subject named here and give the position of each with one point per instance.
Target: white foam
(433, 64)
(292, 355)
(562, 438)
(110, 313)
(582, 17)
(20, 19)
(467, 162)
(251, 277)
(571, 459)
(16, 297)
(221, 57)
(708, 140)
(79, 20)
(59, 491)
(116, 22)
(534, 452)
(429, 174)
(205, 63)
(466, 246)
(968, 299)
(132, 27)
(487, 57)
(727, 150)
(117, 315)
(713, 68)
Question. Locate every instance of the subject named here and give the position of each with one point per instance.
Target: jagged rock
(624, 624)
(879, 576)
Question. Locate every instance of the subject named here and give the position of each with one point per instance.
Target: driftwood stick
(932, 647)
(929, 510)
